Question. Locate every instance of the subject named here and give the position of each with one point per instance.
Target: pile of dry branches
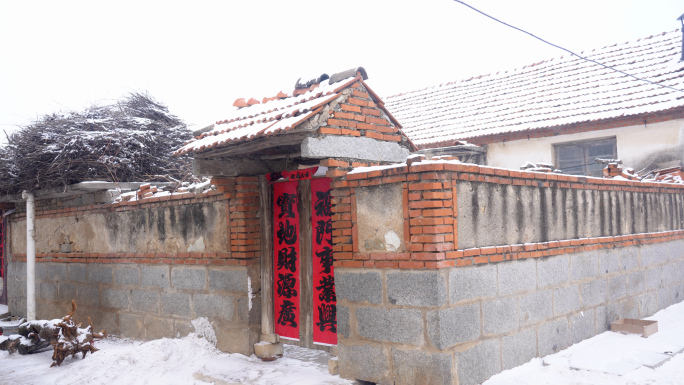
(130, 140)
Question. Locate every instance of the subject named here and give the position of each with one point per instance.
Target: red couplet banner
(286, 259)
(324, 298)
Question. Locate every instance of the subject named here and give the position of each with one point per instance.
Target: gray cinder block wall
(464, 325)
(143, 301)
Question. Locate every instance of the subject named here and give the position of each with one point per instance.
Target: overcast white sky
(198, 57)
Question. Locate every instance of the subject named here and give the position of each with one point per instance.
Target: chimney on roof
(681, 19)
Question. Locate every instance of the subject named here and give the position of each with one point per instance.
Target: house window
(579, 158)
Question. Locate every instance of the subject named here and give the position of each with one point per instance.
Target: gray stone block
(677, 293)
(518, 348)
(232, 279)
(404, 326)
(17, 270)
(500, 315)
(582, 326)
(594, 292)
(176, 304)
(566, 300)
(156, 328)
(416, 288)
(676, 249)
(636, 282)
(654, 278)
(516, 276)
(420, 367)
(480, 362)
(364, 362)
(535, 307)
(127, 275)
(617, 287)
(604, 318)
(472, 282)
(358, 287)
(182, 328)
(41, 271)
(155, 276)
(654, 254)
(648, 304)
(131, 326)
(670, 274)
(67, 292)
(664, 297)
(48, 291)
(449, 327)
(191, 278)
(553, 270)
(335, 146)
(583, 265)
(100, 273)
(680, 268)
(88, 296)
(553, 337)
(629, 258)
(343, 326)
(210, 305)
(77, 272)
(145, 301)
(249, 316)
(609, 261)
(57, 272)
(629, 308)
(16, 288)
(117, 299)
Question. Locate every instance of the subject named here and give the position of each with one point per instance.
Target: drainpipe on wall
(681, 18)
(30, 256)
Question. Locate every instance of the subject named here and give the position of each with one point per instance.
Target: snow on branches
(129, 140)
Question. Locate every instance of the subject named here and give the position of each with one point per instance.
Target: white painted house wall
(637, 146)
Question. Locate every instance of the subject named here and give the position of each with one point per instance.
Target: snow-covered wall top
(550, 93)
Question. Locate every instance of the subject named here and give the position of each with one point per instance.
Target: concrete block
(680, 268)
(654, 254)
(48, 291)
(416, 288)
(480, 362)
(604, 318)
(472, 282)
(362, 148)
(67, 292)
(566, 300)
(236, 340)
(617, 287)
(176, 304)
(127, 275)
(343, 327)
(664, 297)
(102, 320)
(114, 298)
(88, 296)
(233, 280)
(583, 265)
(500, 315)
(654, 278)
(648, 304)
(594, 292)
(132, 326)
(420, 367)
(516, 276)
(518, 348)
(57, 272)
(334, 366)
(629, 258)
(404, 326)
(535, 306)
(629, 308)
(191, 278)
(98, 273)
(609, 261)
(17, 270)
(364, 362)
(636, 282)
(677, 293)
(211, 305)
(77, 272)
(582, 326)
(358, 287)
(553, 337)
(676, 250)
(182, 328)
(145, 301)
(16, 288)
(449, 327)
(670, 274)
(41, 271)
(157, 327)
(269, 350)
(155, 276)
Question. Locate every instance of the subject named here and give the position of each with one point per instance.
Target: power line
(566, 50)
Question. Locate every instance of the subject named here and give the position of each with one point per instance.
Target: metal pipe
(30, 256)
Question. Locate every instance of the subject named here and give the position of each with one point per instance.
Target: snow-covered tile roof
(549, 93)
(272, 116)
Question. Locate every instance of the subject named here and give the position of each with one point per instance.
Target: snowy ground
(193, 360)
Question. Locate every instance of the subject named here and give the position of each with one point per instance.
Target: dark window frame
(588, 160)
